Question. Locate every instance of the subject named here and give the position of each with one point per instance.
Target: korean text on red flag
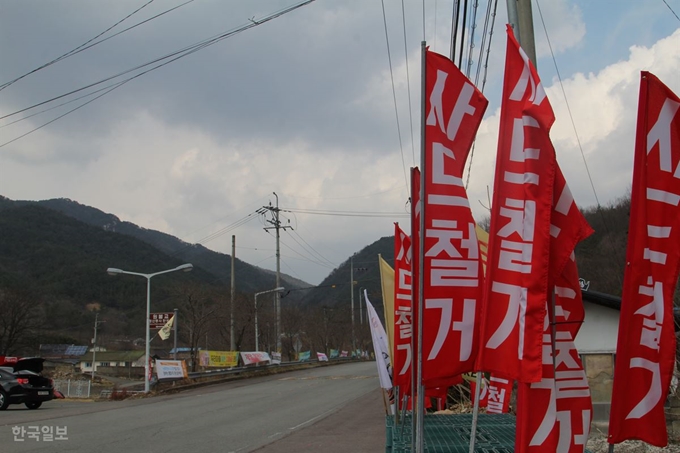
(452, 271)
(645, 352)
(519, 237)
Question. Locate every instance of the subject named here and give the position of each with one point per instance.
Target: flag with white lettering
(645, 351)
(519, 237)
(554, 415)
(498, 395)
(403, 326)
(452, 270)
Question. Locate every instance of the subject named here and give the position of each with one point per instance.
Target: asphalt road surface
(332, 408)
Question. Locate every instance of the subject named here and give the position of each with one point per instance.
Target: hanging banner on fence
(335, 353)
(321, 357)
(276, 358)
(250, 358)
(223, 359)
(171, 369)
(304, 356)
(344, 353)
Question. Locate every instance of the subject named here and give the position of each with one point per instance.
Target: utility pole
(233, 293)
(174, 327)
(94, 344)
(361, 310)
(351, 291)
(521, 19)
(277, 226)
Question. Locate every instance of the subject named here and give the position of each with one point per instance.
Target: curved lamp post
(114, 271)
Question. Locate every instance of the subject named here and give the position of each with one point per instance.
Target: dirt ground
(597, 443)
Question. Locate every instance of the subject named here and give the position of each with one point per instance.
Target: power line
(311, 253)
(578, 140)
(669, 7)
(347, 213)
(394, 93)
(177, 55)
(408, 84)
(76, 50)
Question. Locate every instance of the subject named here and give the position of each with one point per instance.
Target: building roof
(113, 356)
(614, 302)
(606, 300)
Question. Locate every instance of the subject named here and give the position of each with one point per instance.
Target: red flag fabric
(403, 319)
(646, 343)
(554, 415)
(498, 395)
(452, 269)
(519, 237)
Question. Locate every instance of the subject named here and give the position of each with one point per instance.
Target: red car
(21, 383)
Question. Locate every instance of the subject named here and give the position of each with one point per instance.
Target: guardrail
(235, 371)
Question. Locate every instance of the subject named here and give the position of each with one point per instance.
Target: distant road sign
(158, 320)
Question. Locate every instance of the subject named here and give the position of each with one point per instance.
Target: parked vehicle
(22, 383)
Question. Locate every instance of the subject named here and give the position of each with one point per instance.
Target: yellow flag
(164, 333)
(483, 239)
(387, 281)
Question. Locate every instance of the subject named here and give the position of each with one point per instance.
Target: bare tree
(198, 309)
(20, 316)
(292, 327)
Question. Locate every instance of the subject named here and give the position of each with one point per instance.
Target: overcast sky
(302, 106)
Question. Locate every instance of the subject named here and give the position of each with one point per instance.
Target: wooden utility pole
(233, 293)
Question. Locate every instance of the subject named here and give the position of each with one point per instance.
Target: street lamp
(114, 271)
(279, 289)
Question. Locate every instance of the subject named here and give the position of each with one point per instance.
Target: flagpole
(420, 442)
(475, 411)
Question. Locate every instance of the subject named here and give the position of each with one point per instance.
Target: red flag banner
(403, 313)
(646, 343)
(498, 395)
(554, 415)
(519, 237)
(452, 272)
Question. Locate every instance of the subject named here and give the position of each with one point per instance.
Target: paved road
(239, 417)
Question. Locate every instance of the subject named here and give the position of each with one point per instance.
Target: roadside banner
(335, 353)
(344, 353)
(321, 357)
(171, 369)
(224, 359)
(276, 358)
(250, 358)
(304, 356)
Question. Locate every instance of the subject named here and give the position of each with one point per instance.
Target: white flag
(164, 333)
(382, 351)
